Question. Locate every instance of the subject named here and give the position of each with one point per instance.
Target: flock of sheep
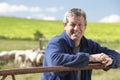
(23, 58)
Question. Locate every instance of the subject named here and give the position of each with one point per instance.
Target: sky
(96, 10)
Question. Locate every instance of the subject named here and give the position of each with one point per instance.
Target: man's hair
(74, 12)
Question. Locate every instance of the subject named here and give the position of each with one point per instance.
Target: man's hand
(106, 60)
(101, 57)
(95, 58)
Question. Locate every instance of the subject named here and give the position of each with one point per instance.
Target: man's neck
(77, 43)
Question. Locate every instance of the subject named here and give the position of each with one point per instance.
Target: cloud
(111, 18)
(49, 18)
(5, 8)
(54, 9)
(41, 16)
(29, 12)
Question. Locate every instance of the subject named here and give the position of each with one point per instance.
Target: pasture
(17, 28)
(17, 33)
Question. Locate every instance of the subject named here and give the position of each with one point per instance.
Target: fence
(13, 72)
(42, 43)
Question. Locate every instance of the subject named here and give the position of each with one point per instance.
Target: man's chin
(76, 38)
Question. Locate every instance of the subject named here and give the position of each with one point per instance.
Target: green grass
(25, 29)
(7, 45)
(35, 76)
(112, 74)
(104, 32)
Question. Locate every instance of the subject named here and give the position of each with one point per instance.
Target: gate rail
(13, 72)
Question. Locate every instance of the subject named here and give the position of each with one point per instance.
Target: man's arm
(103, 58)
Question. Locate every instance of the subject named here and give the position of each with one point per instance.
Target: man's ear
(64, 24)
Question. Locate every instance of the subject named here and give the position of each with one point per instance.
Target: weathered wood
(13, 72)
(48, 69)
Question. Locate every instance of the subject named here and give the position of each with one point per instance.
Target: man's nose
(76, 27)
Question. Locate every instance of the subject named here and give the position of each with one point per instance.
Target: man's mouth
(76, 33)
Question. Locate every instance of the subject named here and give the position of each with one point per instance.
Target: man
(72, 49)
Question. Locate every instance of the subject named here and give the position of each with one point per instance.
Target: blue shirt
(60, 51)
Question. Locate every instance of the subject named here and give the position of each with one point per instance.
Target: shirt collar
(68, 39)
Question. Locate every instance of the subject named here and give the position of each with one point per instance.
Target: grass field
(16, 33)
(17, 28)
(24, 28)
(7, 45)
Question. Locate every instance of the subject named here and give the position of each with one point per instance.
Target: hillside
(18, 28)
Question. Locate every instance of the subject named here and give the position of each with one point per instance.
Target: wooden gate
(13, 72)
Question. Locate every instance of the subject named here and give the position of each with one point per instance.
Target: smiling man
(73, 49)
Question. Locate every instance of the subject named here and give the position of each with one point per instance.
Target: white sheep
(39, 59)
(24, 58)
(20, 58)
(4, 55)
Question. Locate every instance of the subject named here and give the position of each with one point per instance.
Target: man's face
(75, 27)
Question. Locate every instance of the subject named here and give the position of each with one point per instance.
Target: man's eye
(79, 24)
(73, 24)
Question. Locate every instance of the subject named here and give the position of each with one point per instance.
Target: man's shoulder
(90, 41)
(57, 38)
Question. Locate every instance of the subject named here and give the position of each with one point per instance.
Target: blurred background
(27, 25)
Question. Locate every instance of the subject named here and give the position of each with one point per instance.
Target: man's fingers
(107, 62)
(103, 56)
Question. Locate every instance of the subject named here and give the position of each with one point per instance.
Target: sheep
(7, 56)
(4, 56)
(20, 58)
(30, 57)
(39, 59)
(34, 57)
(24, 58)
